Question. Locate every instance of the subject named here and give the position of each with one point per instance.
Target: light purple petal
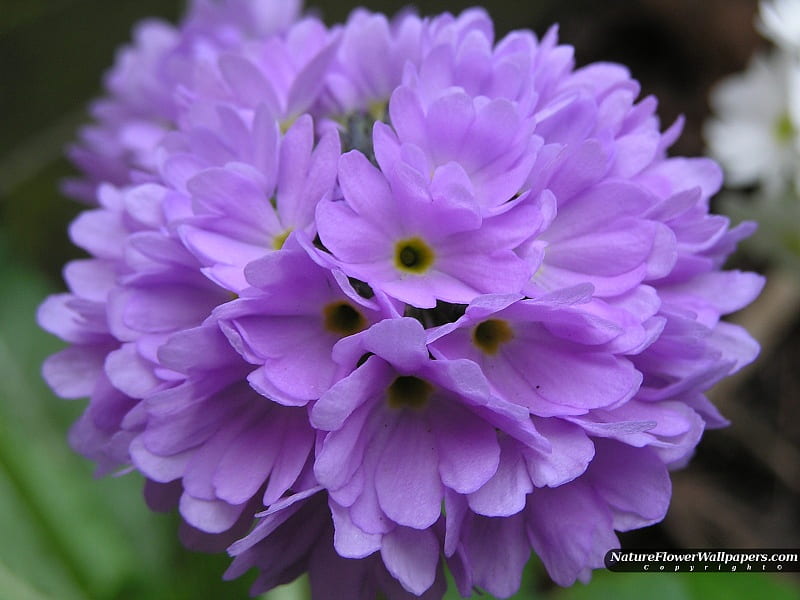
(504, 494)
(467, 447)
(412, 557)
(209, 516)
(407, 481)
(73, 372)
(633, 481)
(570, 529)
(571, 453)
(349, 540)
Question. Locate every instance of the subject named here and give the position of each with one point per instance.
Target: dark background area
(742, 489)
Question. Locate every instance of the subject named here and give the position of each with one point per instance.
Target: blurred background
(65, 535)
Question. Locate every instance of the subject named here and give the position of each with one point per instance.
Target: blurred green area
(63, 534)
(66, 535)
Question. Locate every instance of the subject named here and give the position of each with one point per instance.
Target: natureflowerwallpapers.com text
(704, 561)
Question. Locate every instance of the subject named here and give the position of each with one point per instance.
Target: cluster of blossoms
(755, 133)
(372, 300)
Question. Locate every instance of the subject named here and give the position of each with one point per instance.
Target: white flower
(779, 21)
(754, 134)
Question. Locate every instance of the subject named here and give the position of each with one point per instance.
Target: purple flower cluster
(369, 300)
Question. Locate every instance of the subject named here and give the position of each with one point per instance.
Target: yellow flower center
(409, 391)
(491, 334)
(413, 255)
(342, 319)
(279, 240)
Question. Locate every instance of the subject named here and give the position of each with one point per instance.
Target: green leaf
(297, 590)
(627, 586)
(13, 587)
(681, 586)
(723, 586)
(51, 500)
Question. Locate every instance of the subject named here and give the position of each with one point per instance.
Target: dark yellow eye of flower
(280, 239)
(409, 391)
(342, 319)
(413, 255)
(489, 335)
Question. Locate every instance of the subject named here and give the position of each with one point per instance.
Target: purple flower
(421, 242)
(542, 355)
(292, 317)
(224, 441)
(369, 62)
(299, 534)
(570, 526)
(142, 104)
(246, 206)
(402, 425)
(391, 297)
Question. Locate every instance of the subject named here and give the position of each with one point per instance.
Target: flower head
(369, 301)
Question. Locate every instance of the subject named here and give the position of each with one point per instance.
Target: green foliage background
(63, 534)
